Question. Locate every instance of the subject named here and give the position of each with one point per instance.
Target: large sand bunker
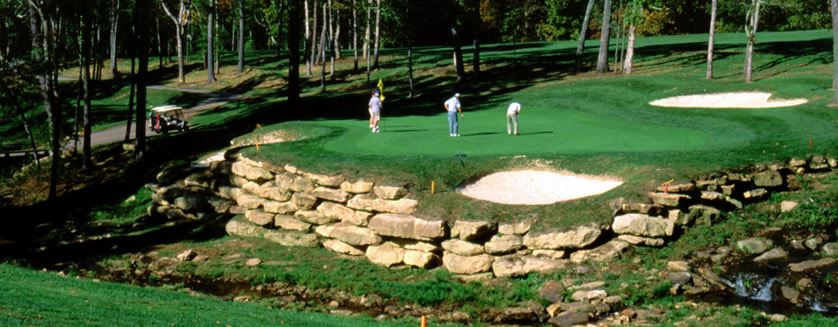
(537, 187)
(734, 100)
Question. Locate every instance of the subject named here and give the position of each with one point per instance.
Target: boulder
(518, 228)
(813, 243)
(326, 180)
(518, 314)
(754, 245)
(282, 208)
(728, 190)
(605, 252)
(248, 201)
(768, 179)
(187, 255)
(250, 172)
(343, 213)
(237, 227)
(569, 318)
(472, 230)
(288, 222)
(387, 254)
(588, 296)
(712, 196)
(420, 259)
(368, 203)
(679, 277)
(786, 206)
(358, 187)
(554, 254)
(830, 249)
(644, 208)
(642, 225)
(259, 217)
(678, 266)
(267, 190)
(314, 217)
(515, 265)
(773, 254)
(341, 247)
(503, 244)
(228, 192)
(669, 199)
(552, 291)
(389, 192)
(304, 201)
(797, 162)
(467, 265)
(331, 194)
(811, 264)
(463, 248)
(189, 203)
(291, 238)
(790, 294)
(253, 262)
(677, 188)
(421, 246)
(755, 194)
(574, 239)
(638, 240)
(702, 215)
(350, 234)
(407, 226)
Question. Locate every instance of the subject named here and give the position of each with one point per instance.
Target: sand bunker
(736, 100)
(537, 187)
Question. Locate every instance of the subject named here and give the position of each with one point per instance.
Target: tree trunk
(751, 31)
(580, 48)
(377, 32)
(306, 51)
(241, 37)
(330, 41)
(29, 135)
(410, 68)
(131, 96)
(114, 27)
(602, 62)
(140, 23)
(41, 29)
(629, 62)
(210, 43)
(178, 35)
(336, 48)
(834, 6)
(354, 37)
(294, 53)
(710, 41)
(367, 38)
(314, 54)
(458, 55)
(159, 44)
(322, 48)
(475, 59)
(85, 67)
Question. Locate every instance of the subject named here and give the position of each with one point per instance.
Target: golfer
(375, 110)
(452, 106)
(512, 118)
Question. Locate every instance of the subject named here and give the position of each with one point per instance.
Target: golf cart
(166, 118)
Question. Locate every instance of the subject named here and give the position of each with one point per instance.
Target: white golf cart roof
(166, 108)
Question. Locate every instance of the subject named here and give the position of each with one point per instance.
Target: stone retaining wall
(295, 207)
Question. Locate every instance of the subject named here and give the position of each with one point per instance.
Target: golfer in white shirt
(512, 118)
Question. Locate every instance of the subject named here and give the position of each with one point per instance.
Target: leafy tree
(19, 96)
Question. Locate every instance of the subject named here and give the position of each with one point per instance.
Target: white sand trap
(537, 187)
(735, 100)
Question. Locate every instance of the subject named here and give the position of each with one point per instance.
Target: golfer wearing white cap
(452, 106)
(375, 110)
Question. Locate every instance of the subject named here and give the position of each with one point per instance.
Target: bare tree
(710, 41)
(582, 33)
(458, 54)
(140, 26)
(314, 54)
(181, 21)
(84, 21)
(377, 32)
(307, 36)
(294, 21)
(751, 27)
(367, 38)
(633, 16)
(322, 49)
(210, 39)
(331, 40)
(602, 62)
(336, 38)
(241, 37)
(114, 26)
(354, 36)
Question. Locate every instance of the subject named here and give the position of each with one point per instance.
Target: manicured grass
(31, 298)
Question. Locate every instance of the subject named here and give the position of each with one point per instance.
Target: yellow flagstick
(381, 89)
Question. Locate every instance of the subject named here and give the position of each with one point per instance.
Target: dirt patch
(734, 100)
(537, 187)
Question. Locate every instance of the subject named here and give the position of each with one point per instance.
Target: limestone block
(472, 230)
(515, 265)
(407, 226)
(637, 240)
(228, 192)
(642, 225)
(304, 201)
(358, 187)
(796, 162)
(237, 180)
(282, 208)
(787, 206)
(421, 246)
(420, 259)
(259, 217)
(387, 254)
(573, 239)
(237, 227)
(341, 247)
(467, 265)
(250, 172)
(389, 192)
(292, 238)
(517, 228)
(555, 254)
(314, 217)
(291, 223)
(755, 194)
(369, 203)
(331, 194)
(754, 245)
(350, 234)
(811, 264)
(248, 201)
(677, 188)
(768, 179)
(605, 252)
(669, 199)
(502, 244)
(728, 190)
(773, 254)
(461, 247)
(701, 215)
(326, 180)
(343, 213)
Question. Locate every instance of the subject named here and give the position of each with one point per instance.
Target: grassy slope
(35, 298)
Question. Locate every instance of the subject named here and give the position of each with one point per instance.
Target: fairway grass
(32, 298)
